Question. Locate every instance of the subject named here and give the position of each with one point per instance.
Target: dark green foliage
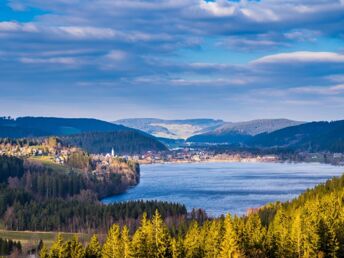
(10, 196)
(123, 142)
(75, 216)
(10, 167)
(94, 135)
(313, 137)
(48, 183)
(7, 246)
(231, 137)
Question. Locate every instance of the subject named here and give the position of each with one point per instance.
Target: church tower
(113, 152)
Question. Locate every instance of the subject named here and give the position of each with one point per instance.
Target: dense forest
(7, 247)
(34, 196)
(311, 225)
(314, 137)
(123, 142)
(93, 135)
(310, 137)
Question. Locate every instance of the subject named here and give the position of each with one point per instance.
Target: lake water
(226, 187)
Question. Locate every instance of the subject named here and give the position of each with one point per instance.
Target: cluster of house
(191, 155)
(58, 154)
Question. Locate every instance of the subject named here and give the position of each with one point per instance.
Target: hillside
(92, 134)
(314, 136)
(242, 131)
(126, 142)
(308, 226)
(173, 129)
(45, 126)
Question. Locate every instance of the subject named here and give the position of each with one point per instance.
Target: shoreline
(236, 161)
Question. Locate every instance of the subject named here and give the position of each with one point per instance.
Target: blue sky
(233, 60)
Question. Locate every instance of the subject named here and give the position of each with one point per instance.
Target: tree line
(7, 246)
(309, 226)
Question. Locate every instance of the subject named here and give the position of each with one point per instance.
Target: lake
(226, 187)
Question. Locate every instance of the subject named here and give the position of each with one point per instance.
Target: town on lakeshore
(51, 149)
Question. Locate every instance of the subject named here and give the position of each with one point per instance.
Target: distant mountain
(92, 134)
(173, 129)
(44, 126)
(241, 131)
(313, 137)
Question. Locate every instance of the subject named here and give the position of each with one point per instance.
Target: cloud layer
(235, 60)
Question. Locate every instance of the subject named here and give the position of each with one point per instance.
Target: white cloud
(117, 55)
(10, 26)
(87, 32)
(218, 8)
(301, 57)
(55, 60)
(330, 90)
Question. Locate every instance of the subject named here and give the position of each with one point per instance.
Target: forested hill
(124, 142)
(46, 126)
(93, 135)
(314, 136)
(309, 226)
(240, 132)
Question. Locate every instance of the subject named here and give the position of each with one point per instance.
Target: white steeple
(113, 152)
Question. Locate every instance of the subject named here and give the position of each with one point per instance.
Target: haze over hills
(241, 131)
(173, 129)
(205, 130)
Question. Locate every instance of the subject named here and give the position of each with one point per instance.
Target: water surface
(226, 187)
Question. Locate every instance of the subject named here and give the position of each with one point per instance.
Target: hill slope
(173, 129)
(92, 134)
(125, 142)
(242, 131)
(314, 136)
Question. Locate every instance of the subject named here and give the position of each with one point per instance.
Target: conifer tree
(66, 250)
(253, 236)
(142, 239)
(112, 247)
(56, 247)
(213, 239)
(177, 248)
(93, 249)
(44, 253)
(76, 248)
(192, 245)
(161, 236)
(296, 233)
(229, 245)
(126, 243)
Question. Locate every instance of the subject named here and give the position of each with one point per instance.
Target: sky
(173, 59)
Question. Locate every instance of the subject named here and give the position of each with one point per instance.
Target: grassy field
(48, 161)
(32, 237)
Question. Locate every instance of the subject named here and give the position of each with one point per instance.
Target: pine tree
(177, 248)
(56, 247)
(229, 246)
(213, 239)
(126, 243)
(93, 249)
(192, 241)
(77, 250)
(112, 247)
(296, 233)
(161, 237)
(43, 253)
(142, 243)
(253, 236)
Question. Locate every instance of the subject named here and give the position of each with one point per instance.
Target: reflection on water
(226, 187)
